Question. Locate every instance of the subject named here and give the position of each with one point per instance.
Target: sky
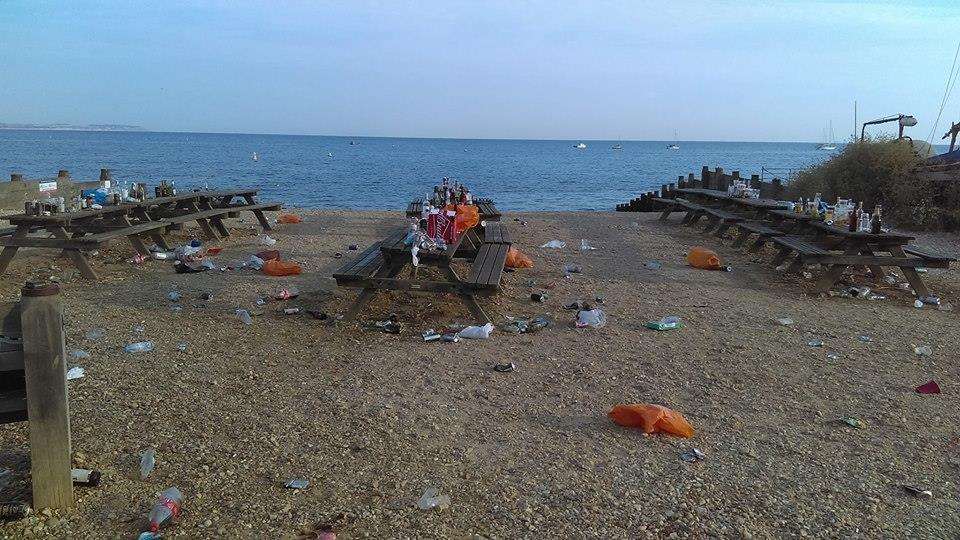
(707, 70)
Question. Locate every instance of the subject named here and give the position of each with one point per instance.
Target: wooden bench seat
(928, 253)
(763, 231)
(141, 228)
(800, 245)
(721, 220)
(363, 266)
(487, 269)
(415, 208)
(679, 205)
(496, 233)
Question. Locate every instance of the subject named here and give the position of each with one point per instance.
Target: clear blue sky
(712, 69)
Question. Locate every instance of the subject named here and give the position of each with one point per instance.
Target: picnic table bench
(485, 207)
(376, 268)
(76, 233)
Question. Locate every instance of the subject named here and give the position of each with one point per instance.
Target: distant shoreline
(70, 127)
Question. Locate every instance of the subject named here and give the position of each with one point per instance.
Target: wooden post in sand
(44, 365)
(104, 175)
(63, 173)
(705, 177)
(16, 177)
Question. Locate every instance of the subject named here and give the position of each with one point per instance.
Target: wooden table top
(724, 196)
(885, 238)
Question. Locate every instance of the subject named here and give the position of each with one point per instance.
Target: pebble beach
(796, 440)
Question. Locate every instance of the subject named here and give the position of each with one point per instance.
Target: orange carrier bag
(515, 259)
(276, 267)
(651, 419)
(467, 216)
(700, 257)
(289, 218)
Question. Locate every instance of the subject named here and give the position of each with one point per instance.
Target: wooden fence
(33, 387)
(715, 179)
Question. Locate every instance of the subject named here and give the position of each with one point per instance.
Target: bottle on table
(876, 221)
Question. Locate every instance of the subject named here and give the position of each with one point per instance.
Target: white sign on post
(47, 186)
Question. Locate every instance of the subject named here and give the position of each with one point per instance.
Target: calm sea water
(385, 173)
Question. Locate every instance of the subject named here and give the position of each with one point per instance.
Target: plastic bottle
(166, 509)
(244, 316)
(148, 460)
(139, 347)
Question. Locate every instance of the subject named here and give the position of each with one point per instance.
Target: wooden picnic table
(87, 230)
(377, 267)
(485, 208)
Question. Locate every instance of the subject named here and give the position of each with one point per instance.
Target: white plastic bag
(255, 262)
(594, 318)
(267, 241)
(585, 246)
(554, 244)
(477, 332)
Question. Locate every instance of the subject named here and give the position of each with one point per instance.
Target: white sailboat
(829, 143)
(255, 156)
(675, 145)
(617, 146)
(579, 146)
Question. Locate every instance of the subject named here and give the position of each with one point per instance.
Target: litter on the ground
(431, 335)
(287, 294)
(922, 350)
(265, 240)
(79, 354)
(585, 246)
(692, 455)
(918, 304)
(85, 477)
(815, 343)
(652, 265)
(173, 296)
(94, 334)
(852, 422)
(276, 267)
(477, 332)
(317, 314)
(918, 492)
(75, 372)
(785, 321)
(930, 387)
(651, 419)
(289, 218)
(389, 326)
(865, 338)
(516, 259)
(554, 244)
(148, 460)
(244, 316)
(505, 368)
(571, 268)
(539, 297)
(833, 356)
(182, 346)
(254, 262)
(432, 498)
(139, 347)
(297, 484)
(594, 318)
(166, 509)
(670, 322)
(705, 259)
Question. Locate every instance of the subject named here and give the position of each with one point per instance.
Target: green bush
(877, 171)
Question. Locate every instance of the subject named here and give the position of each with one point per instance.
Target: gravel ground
(373, 419)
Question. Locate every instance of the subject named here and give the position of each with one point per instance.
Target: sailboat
(617, 146)
(829, 143)
(579, 146)
(255, 156)
(674, 146)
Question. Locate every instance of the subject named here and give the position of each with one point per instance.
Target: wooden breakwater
(715, 179)
(19, 190)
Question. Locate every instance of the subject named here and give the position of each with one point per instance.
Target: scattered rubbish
(297, 484)
(918, 492)
(859, 292)
(431, 335)
(79, 354)
(139, 347)
(703, 258)
(276, 267)
(139, 258)
(338, 255)
(206, 296)
(353, 247)
(598, 299)
(13, 510)
(139, 329)
(173, 296)
(946, 306)
(289, 218)
(182, 346)
(876, 297)
(431, 499)
(651, 418)
(195, 243)
(785, 321)
(244, 316)
(85, 477)
(692, 455)
(505, 368)
(165, 510)
(539, 297)
(265, 240)
(94, 334)
(269, 255)
(931, 300)
(852, 422)
(918, 304)
(833, 356)
(865, 338)
(389, 326)
(477, 332)
(815, 343)
(585, 246)
(922, 350)
(652, 265)
(516, 259)
(75, 372)
(214, 251)
(575, 306)
(287, 294)
(148, 460)
(930, 387)
(319, 315)
(255, 262)
(554, 244)
(594, 318)
(571, 268)
(666, 323)
(290, 311)
(451, 337)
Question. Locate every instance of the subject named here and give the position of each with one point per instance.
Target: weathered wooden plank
(44, 354)
(10, 319)
(84, 243)
(11, 361)
(13, 406)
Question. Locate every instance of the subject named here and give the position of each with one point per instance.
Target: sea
(386, 173)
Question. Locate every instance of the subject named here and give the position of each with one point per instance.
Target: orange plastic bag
(515, 259)
(467, 216)
(652, 419)
(289, 218)
(276, 267)
(704, 258)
